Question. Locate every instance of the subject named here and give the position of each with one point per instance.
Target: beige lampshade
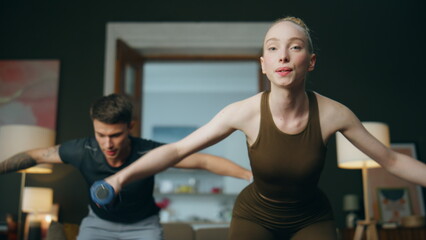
(37, 199)
(348, 156)
(16, 138)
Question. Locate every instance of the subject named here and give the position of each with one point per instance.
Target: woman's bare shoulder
(240, 112)
(334, 115)
(328, 104)
(247, 105)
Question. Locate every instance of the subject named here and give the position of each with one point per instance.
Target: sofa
(172, 231)
(185, 231)
(62, 231)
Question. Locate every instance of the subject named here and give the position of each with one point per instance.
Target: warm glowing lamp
(36, 201)
(348, 156)
(16, 138)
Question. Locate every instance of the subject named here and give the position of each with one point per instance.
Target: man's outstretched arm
(29, 159)
(215, 164)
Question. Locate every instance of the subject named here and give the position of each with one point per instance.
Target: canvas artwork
(394, 203)
(28, 92)
(382, 185)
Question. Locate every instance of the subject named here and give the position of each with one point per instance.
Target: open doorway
(178, 98)
(189, 93)
(199, 49)
(129, 45)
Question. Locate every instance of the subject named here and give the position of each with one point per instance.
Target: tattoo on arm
(17, 162)
(50, 152)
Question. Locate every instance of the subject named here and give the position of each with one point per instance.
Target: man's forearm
(216, 165)
(233, 170)
(226, 167)
(17, 162)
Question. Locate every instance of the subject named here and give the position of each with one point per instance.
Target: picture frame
(380, 179)
(394, 204)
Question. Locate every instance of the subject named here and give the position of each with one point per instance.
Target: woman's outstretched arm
(161, 158)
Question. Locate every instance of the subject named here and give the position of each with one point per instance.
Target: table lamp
(349, 157)
(16, 138)
(36, 200)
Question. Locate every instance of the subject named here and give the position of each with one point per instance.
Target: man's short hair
(111, 109)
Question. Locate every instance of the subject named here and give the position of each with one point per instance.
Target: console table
(390, 234)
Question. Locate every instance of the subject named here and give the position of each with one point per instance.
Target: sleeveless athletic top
(287, 166)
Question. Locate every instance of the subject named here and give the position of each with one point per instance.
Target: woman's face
(286, 57)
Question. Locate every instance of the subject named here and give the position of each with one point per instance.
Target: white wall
(190, 94)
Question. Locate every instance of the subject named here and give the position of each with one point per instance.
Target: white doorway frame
(210, 38)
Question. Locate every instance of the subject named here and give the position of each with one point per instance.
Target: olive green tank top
(287, 166)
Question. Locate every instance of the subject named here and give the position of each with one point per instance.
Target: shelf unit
(194, 195)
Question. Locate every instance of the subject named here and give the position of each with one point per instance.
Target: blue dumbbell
(102, 193)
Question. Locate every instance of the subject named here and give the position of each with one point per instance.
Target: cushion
(56, 232)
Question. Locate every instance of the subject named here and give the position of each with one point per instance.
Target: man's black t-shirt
(136, 201)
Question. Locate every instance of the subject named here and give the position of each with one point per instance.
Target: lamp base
(371, 230)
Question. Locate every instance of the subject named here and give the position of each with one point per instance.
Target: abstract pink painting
(29, 92)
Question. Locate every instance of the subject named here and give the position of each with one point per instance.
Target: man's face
(113, 140)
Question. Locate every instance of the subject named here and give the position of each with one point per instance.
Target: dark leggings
(255, 218)
(243, 229)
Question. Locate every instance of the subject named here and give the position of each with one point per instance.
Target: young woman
(287, 129)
